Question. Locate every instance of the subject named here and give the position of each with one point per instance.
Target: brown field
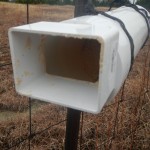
(123, 124)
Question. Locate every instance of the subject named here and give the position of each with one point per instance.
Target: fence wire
(96, 132)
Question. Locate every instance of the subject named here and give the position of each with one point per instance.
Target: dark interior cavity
(73, 58)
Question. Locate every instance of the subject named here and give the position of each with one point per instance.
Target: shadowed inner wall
(73, 58)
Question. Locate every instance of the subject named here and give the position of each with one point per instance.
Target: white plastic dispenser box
(79, 63)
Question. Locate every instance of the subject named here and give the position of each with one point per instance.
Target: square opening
(73, 58)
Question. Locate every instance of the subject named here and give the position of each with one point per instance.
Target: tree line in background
(144, 3)
(56, 2)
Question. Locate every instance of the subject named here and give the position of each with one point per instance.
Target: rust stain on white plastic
(17, 63)
(27, 73)
(101, 58)
(42, 48)
(28, 43)
(18, 81)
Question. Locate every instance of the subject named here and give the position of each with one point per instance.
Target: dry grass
(132, 129)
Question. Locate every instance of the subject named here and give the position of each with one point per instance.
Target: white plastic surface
(28, 41)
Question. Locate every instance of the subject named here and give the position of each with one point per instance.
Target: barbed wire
(116, 115)
(4, 65)
(81, 129)
(30, 136)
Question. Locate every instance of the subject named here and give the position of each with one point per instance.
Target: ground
(124, 123)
